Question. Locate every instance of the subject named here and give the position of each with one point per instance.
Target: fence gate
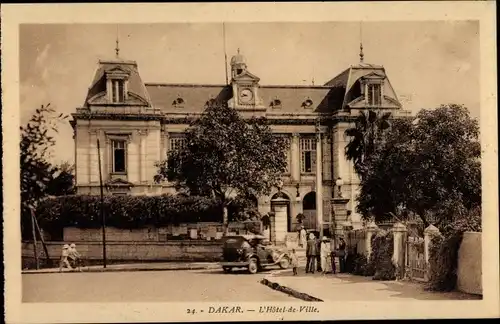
(416, 267)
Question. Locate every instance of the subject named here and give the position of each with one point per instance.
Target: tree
(226, 156)
(36, 171)
(62, 182)
(366, 134)
(428, 166)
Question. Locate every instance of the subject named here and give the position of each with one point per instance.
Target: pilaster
(142, 133)
(93, 161)
(295, 157)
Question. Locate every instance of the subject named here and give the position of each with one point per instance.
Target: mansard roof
(195, 96)
(337, 94)
(135, 84)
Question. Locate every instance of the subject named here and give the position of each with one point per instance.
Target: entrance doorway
(288, 218)
(309, 210)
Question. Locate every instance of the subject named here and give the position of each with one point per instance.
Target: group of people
(70, 258)
(321, 253)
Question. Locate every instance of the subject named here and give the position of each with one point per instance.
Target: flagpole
(225, 53)
(103, 218)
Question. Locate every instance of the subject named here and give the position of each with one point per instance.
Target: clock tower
(245, 87)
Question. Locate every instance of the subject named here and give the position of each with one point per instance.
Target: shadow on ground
(399, 289)
(234, 272)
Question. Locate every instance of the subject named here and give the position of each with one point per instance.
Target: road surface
(148, 286)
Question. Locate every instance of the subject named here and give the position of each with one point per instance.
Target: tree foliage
(35, 145)
(62, 182)
(226, 156)
(427, 165)
(366, 134)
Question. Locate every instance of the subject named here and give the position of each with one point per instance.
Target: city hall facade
(138, 123)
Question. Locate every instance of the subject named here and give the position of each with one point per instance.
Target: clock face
(246, 95)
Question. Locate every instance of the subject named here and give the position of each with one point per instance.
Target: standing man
(342, 254)
(333, 255)
(318, 253)
(310, 253)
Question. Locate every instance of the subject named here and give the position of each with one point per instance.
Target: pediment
(246, 76)
(102, 99)
(374, 75)
(387, 102)
(117, 70)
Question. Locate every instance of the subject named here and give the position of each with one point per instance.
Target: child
(64, 258)
(294, 262)
(74, 256)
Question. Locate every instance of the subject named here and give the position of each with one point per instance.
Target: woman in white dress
(325, 251)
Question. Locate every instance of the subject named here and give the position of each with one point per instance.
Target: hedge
(443, 252)
(127, 212)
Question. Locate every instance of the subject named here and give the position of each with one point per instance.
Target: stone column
(319, 184)
(280, 219)
(142, 155)
(371, 229)
(295, 157)
(398, 257)
(339, 206)
(164, 146)
(429, 233)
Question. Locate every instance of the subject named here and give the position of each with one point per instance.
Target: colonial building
(138, 123)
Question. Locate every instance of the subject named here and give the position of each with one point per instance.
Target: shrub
(443, 252)
(126, 212)
(380, 263)
(359, 265)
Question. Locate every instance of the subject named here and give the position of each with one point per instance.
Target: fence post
(430, 232)
(398, 256)
(371, 229)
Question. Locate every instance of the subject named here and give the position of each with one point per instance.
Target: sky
(428, 63)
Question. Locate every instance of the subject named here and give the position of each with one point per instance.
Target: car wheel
(284, 263)
(253, 266)
(226, 269)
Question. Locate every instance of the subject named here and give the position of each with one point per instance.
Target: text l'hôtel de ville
(263, 309)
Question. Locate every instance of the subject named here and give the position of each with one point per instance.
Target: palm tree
(365, 136)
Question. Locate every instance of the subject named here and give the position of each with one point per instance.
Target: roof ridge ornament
(117, 48)
(361, 55)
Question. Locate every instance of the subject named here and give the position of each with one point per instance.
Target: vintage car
(252, 252)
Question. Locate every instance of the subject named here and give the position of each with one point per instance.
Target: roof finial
(361, 55)
(238, 50)
(117, 49)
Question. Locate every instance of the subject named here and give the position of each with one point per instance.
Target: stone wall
(469, 272)
(198, 231)
(202, 251)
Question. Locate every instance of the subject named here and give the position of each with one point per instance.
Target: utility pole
(103, 218)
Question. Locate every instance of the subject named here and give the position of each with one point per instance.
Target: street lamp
(339, 183)
(297, 196)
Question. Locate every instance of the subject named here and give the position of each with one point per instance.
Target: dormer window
(276, 103)
(374, 94)
(308, 103)
(118, 91)
(178, 103)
